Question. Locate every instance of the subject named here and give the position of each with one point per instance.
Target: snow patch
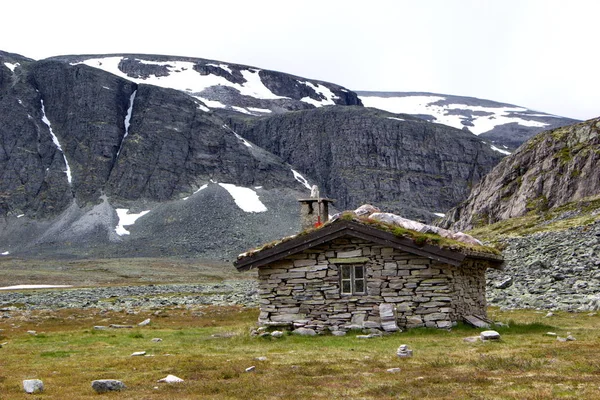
(56, 142)
(20, 215)
(419, 104)
(126, 219)
(322, 90)
(222, 66)
(245, 198)
(203, 107)
(11, 66)
(301, 179)
(246, 143)
(397, 119)
(17, 287)
(183, 77)
(241, 109)
(201, 188)
(259, 110)
(211, 103)
(5, 253)
(500, 150)
(127, 121)
(441, 215)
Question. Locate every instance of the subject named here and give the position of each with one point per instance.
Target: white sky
(540, 54)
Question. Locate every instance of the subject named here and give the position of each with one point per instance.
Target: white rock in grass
(33, 385)
(171, 379)
(32, 333)
(304, 332)
(107, 385)
(156, 340)
(138, 353)
(144, 322)
(277, 334)
(489, 335)
(261, 358)
(393, 370)
(250, 369)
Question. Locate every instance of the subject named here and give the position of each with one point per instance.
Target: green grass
(578, 213)
(212, 349)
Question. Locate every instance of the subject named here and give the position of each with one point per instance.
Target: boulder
(33, 385)
(107, 385)
(489, 335)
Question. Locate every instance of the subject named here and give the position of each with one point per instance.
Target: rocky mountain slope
(221, 85)
(506, 126)
(551, 169)
(360, 155)
(81, 150)
(129, 155)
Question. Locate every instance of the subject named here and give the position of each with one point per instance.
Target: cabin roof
(437, 248)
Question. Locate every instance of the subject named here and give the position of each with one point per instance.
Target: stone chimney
(314, 210)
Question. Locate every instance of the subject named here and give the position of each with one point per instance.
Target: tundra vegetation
(211, 348)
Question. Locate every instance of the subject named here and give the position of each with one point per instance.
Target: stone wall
(303, 290)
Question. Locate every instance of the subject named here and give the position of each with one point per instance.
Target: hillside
(361, 155)
(221, 85)
(552, 169)
(150, 155)
(505, 126)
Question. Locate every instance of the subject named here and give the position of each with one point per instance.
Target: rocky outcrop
(357, 155)
(552, 169)
(549, 270)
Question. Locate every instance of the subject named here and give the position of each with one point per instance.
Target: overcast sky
(541, 54)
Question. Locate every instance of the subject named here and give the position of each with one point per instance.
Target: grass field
(210, 348)
(113, 271)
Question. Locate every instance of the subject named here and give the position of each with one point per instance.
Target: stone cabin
(352, 273)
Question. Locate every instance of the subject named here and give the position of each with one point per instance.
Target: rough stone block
(349, 254)
(304, 263)
(107, 385)
(33, 385)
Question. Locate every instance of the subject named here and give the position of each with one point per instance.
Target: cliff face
(221, 85)
(551, 169)
(358, 155)
(74, 133)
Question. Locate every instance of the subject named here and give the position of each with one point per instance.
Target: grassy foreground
(210, 348)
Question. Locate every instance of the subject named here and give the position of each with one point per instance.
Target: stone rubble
(142, 297)
(549, 270)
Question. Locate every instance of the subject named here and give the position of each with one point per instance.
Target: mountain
(80, 147)
(131, 155)
(221, 85)
(552, 169)
(363, 155)
(505, 126)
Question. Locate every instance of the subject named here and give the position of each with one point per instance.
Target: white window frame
(348, 279)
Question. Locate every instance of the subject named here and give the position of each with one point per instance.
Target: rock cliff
(506, 126)
(78, 143)
(359, 155)
(551, 169)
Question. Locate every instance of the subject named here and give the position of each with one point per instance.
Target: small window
(352, 279)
